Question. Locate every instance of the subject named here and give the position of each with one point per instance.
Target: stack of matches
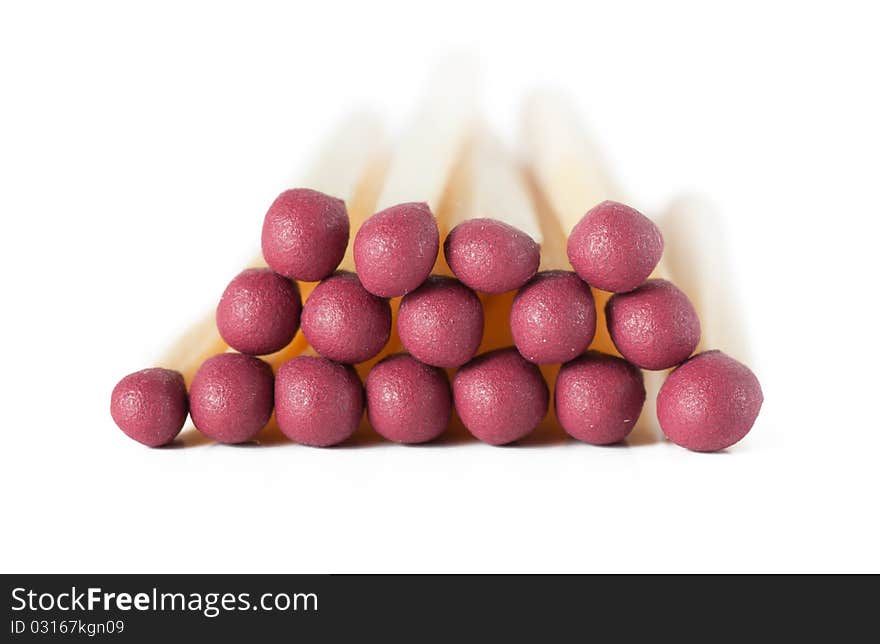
(458, 297)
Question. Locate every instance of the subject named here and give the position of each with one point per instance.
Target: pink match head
(318, 402)
(395, 249)
(655, 326)
(259, 312)
(490, 256)
(599, 398)
(500, 397)
(709, 403)
(408, 401)
(150, 406)
(305, 234)
(553, 317)
(231, 397)
(614, 247)
(441, 322)
(344, 322)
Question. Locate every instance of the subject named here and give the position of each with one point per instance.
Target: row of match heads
(709, 402)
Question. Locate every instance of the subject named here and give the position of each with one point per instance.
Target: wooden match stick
(697, 261)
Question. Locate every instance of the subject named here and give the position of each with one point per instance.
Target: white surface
(139, 149)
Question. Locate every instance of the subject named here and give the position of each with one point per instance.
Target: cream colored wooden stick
(697, 260)
(426, 154)
(497, 187)
(567, 165)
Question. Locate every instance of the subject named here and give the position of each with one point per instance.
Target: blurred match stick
(496, 186)
(566, 163)
(697, 260)
(424, 157)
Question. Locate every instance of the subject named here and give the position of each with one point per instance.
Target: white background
(140, 147)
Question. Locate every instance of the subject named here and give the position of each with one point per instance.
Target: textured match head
(395, 249)
(441, 322)
(655, 326)
(491, 256)
(407, 400)
(553, 317)
(150, 406)
(305, 234)
(345, 323)
(259, 312)
(709, 403)
(231, 397)
(614, 247)
(318, 402)
(500, 397)
(599, 398)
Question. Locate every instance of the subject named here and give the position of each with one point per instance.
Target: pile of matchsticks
(430, 283)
